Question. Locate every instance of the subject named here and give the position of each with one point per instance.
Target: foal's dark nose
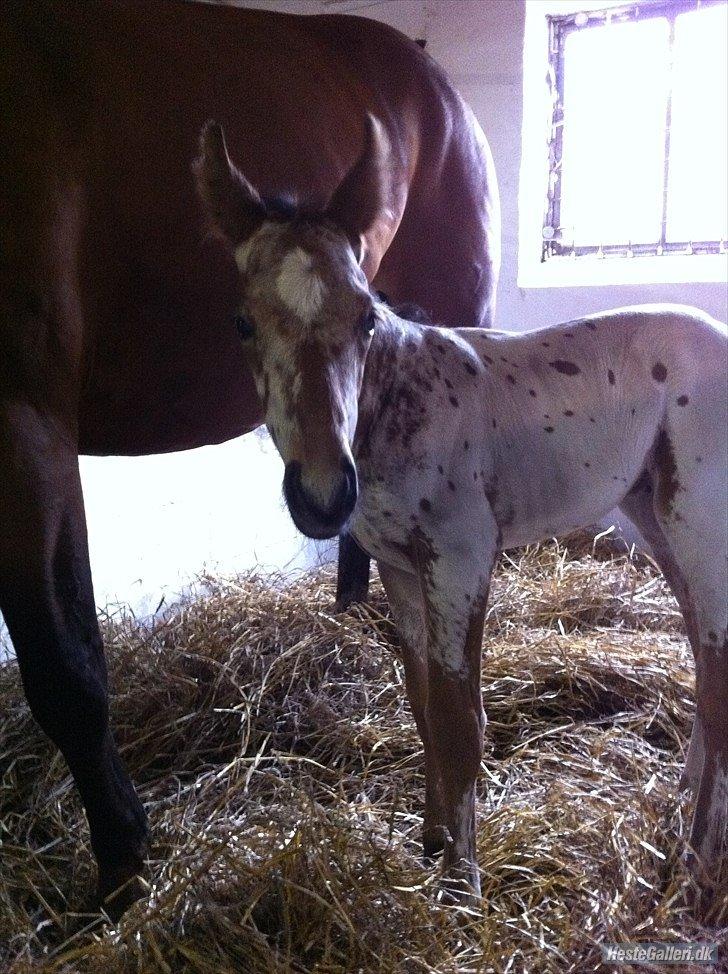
(309, 515)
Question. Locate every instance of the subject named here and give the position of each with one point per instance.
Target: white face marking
(300, 289)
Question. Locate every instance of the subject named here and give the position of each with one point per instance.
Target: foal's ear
(232, 204)
(361, 197)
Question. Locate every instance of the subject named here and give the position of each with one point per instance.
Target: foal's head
(305, 320)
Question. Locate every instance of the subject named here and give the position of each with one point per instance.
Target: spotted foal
(440, 447)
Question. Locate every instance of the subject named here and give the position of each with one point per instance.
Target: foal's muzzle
(308, 515)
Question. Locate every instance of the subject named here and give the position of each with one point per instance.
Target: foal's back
(569, 417)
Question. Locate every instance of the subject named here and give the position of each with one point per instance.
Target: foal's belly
(574, 480)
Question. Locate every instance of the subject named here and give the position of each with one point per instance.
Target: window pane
(615, 99)
(697, 199)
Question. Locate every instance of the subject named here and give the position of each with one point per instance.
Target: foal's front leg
(455, 587)
(405, 600)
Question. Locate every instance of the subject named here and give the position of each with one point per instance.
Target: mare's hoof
(354, 597)
(119, 889)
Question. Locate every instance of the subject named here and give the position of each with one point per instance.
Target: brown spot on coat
(425, 505)
(610, 376)
(510, 378)
(568, 412)
(532, 392)
(549, 429)
(453, 400)
(659, 372)
(682, 400)
(470, 368)
(564, 367)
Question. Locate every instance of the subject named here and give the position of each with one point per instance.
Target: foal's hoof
(460, 891)
(460, 884)
(688, 781)
(707, 895)
(433, 842)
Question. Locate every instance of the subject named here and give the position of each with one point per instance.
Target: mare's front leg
(352, 580)
(455, 583)
(47, 599)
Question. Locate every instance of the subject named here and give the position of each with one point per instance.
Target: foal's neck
(395, 342)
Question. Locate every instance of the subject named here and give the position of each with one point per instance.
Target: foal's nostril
(312, 517)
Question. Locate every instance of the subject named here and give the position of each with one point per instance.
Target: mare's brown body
(115, 312)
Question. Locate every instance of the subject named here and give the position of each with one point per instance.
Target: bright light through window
(639, 151)
(615, 85)
(697, 201)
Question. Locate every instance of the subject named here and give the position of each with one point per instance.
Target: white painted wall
(156, 522)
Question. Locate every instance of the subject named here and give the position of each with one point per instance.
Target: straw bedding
(274, 750)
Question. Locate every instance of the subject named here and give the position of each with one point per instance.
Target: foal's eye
(243, 327)
(369, 322)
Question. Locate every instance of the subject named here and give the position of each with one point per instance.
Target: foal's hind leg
(709, 746)
(638, 505)
(692, 518)
(47, 599)
(405, 600)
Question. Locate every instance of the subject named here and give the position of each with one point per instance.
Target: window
(638, 147)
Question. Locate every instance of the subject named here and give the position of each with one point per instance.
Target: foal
(440, 447)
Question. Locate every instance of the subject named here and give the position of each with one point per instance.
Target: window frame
(560, 26)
